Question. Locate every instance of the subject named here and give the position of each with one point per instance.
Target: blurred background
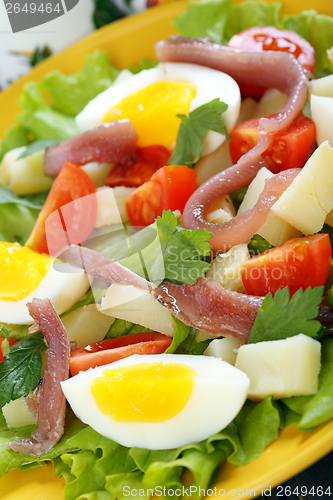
(21, 50)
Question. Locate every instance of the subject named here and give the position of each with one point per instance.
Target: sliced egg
(26, 274)
(158, 401)
(152, 98)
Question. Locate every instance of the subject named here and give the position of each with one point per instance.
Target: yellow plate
(127, 42)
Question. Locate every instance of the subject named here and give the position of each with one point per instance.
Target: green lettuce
(317, 409)
(18, 215)
(40, 119)
(71, 93)
(248, 14)
(121, 327)
(219, 20)
(206, 18)
(68, 95)
(98, 468)
(15, 137)
(317, 29)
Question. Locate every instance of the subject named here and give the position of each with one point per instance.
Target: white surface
(57, 34)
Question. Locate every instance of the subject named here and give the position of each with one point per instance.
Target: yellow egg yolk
(153, 110)
(21, 270)
(146, 392)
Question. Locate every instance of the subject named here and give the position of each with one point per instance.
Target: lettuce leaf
(97, 468)
(18, 215)
(15, 137)
(40, 119)
(71, 93)
(121, 327)
(317, 409)
(206, 18)
(248, 14)
(10, 459)
(219, 20)
(317, 29)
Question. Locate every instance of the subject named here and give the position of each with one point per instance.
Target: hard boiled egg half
(158, 401)
(152, 98)
(26, 274)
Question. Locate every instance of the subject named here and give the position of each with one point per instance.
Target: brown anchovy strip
(270, 69)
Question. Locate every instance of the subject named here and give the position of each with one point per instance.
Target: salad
(114, 464)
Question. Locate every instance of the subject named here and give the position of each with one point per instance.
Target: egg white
(218, 394)
(210, 84)
(63, 284)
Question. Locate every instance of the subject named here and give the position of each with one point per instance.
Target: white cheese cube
(307, 201)
(98, 172)
(17, 413)
(226, 268)
(282, 368)
(272, 102)
(212, 164)
(322, 86)
(247, 110)
(275, 230)
(132, 304)
(225, 348)
(87, 325)
(25, 176)
(221, 211)
(111, 205)
(322, 115)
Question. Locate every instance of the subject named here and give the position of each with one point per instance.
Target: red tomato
(150, 159)
(261, 38)
(169, 189)
(60, 221)
(11, 342)
(110, 350)
(291, 146)
(298, 263)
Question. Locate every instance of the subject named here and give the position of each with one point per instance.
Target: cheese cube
(138, 306)
(17, 413)
(322, 115)
(282, 368)
(272, 102)
(87, 325)
(307, 201)
(225, 348)
(24, 176)
(226, 268)
(275, 230)
(98, 172)
(322, 86)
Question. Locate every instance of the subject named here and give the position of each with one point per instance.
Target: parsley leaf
(37, 146)
(182, 250)
(20, 370)
(280, 318)
(193, 129)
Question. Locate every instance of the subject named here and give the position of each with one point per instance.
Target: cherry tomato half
(150, 159)
(291, 146)
(169, 189)
(298, 263)
(261, 38)
(60, 221)
(110, 350)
